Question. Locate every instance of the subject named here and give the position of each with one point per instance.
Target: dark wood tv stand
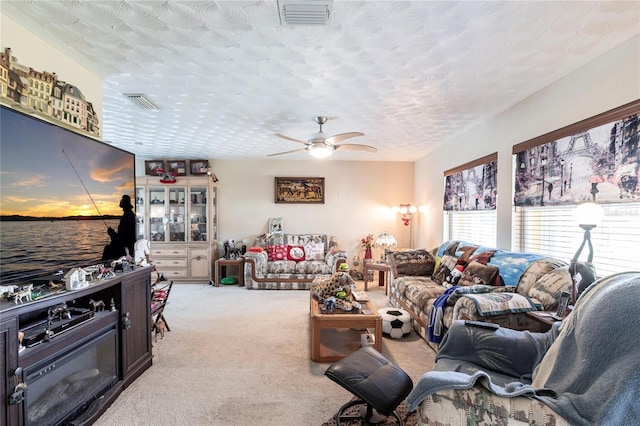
(130, 318)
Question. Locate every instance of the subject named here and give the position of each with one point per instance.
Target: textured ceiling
(227, 75)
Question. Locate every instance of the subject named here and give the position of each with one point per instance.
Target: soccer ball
(395, 322)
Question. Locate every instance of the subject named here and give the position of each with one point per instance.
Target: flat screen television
(59, 192)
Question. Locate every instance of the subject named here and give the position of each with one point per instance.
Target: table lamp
(385, 241)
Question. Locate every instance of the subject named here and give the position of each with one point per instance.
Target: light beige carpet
(242, 357)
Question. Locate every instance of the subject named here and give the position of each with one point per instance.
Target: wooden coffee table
(336, 335)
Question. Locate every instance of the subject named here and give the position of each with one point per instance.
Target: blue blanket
(435, 328)
(512, 265)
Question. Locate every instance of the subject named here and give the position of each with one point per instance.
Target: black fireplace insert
(62, 386)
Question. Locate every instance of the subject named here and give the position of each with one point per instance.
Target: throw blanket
(512, 265)
(500, 303)
(586, 369)
(435, 328)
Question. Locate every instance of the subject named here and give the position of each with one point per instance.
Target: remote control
(480, 324)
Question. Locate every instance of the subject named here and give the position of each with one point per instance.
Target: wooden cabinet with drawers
(180, 221)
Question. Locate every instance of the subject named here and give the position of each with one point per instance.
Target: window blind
(479, 227)
(552, 230)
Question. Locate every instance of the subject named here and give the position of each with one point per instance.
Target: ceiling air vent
(142, 101)
(301, 12)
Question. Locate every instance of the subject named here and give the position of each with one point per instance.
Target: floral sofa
(291, 261)
(460, 280)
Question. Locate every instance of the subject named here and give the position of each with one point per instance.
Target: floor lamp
(588, 216)
(407, 211)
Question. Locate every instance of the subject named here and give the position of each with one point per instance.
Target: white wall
(42, 56)
(358, 199)
(608, 82)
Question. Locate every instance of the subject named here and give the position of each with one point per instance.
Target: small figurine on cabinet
(112, 305)
(212, 175)
(105, 272)
(96, 305)
(75, 279)
(60, 311)
(55, 286)
(7, 290)
(23, 293)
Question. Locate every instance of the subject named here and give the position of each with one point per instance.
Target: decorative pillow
(256, 249)
(447, 263)
(549, 287)
(306, 239)
(477, 273)
(417, 262)
(277, 252)
(295, 253)
(314, 251)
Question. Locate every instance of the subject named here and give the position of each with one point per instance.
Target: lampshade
(386, 240)
(588, 215)
(407, 208)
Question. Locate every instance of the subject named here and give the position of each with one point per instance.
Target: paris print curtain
(472, 186)
(594, 160)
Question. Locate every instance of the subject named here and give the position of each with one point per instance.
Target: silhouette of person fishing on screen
(124, 239)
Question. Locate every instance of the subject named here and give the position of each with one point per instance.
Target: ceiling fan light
(320, 151)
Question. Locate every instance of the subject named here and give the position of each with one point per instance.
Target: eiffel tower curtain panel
(593, 160)
(472, 186)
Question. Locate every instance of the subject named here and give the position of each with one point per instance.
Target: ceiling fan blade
(356, 147)
(288, 152)
(341, 137)
(289, 138)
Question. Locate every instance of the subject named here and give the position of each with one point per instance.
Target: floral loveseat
(492, 285)
(291, 261)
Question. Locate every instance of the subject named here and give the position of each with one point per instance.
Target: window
(596, 160)
(478, 227)
(553, 231)
(470, 196)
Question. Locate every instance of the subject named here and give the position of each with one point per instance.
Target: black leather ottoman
(377, 382)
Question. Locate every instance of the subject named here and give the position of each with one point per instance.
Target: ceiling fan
(321, 147)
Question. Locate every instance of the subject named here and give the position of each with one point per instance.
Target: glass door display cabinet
(180, 221)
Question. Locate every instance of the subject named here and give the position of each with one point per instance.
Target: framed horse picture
(299, 190)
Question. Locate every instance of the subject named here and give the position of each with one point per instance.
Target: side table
(382, 269)
(222, 273)
(543, 319)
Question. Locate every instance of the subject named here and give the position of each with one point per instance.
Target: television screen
(60, 191)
